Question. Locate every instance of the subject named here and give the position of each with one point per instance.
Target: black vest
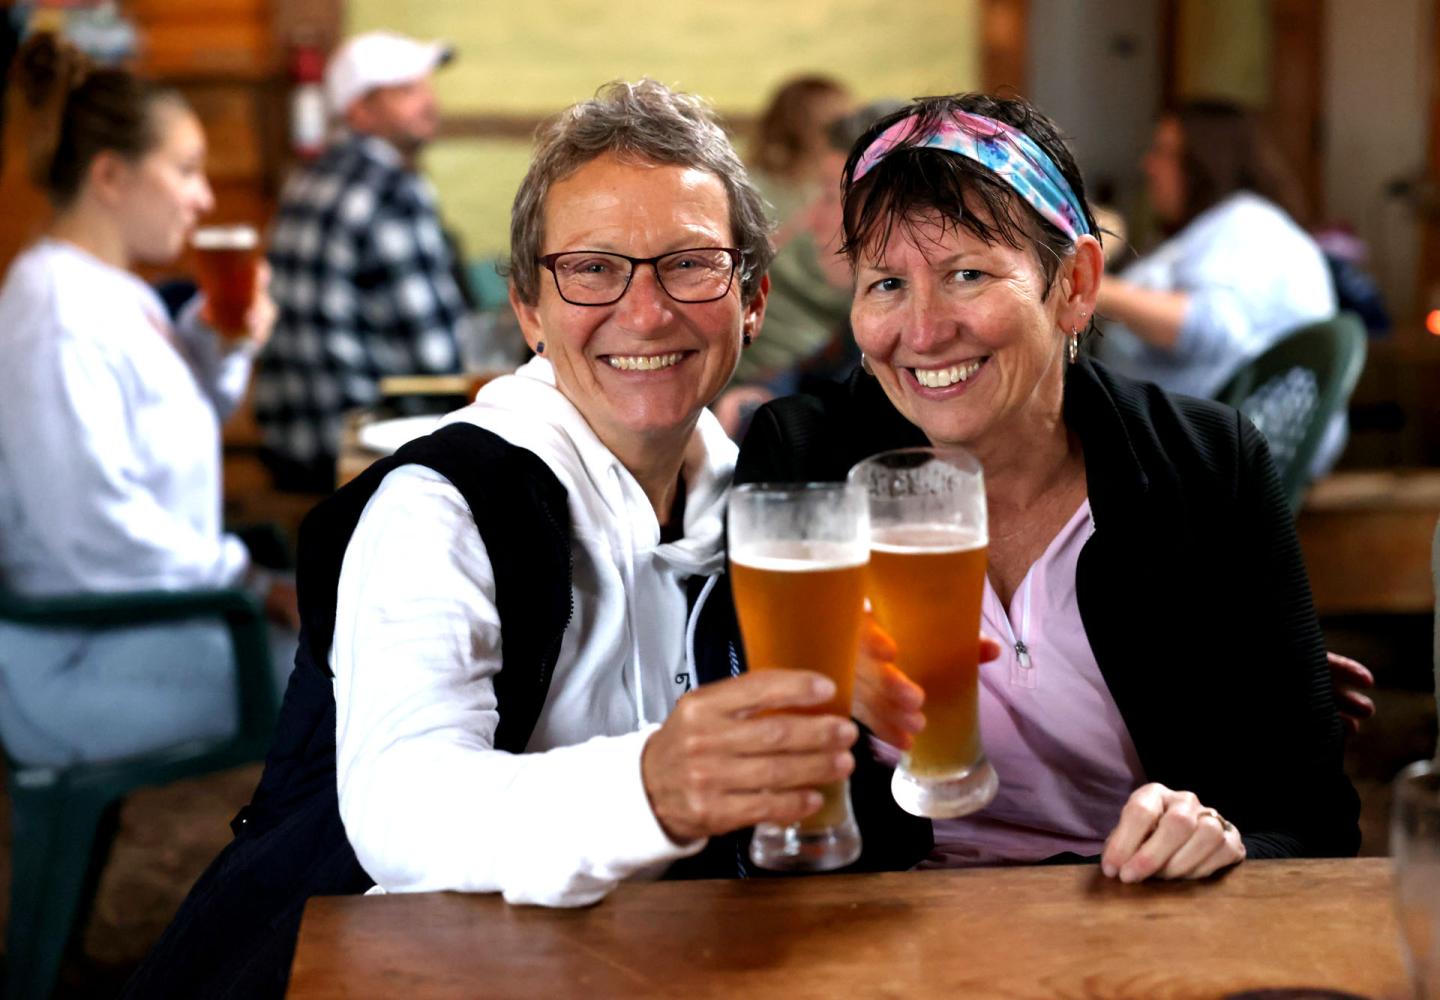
(234, 936)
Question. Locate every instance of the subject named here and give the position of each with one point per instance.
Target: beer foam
(911, 538)
(799, 557)
(225, 238)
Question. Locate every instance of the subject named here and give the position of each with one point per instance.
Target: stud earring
(539, 347)
(745, 339)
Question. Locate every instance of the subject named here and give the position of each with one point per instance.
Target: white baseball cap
(378, 59)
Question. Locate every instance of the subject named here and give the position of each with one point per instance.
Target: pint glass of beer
(928, 536)
(226, 259)
(797, 570)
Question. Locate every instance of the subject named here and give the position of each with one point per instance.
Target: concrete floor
(168, 835)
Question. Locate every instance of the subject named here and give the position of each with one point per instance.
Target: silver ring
(1225, 824)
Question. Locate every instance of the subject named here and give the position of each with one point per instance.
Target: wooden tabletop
(1014, 933)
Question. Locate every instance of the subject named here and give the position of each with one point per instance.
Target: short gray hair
(644, 121)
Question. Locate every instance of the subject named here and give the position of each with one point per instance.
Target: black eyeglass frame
(737, 258)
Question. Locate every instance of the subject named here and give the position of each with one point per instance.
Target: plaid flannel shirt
(363, 282)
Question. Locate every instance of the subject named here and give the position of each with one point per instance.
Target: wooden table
(1014, 933)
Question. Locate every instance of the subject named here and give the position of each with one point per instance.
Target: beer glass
(226, 259)
(797, 570)
(1415, 850)
(928, 538)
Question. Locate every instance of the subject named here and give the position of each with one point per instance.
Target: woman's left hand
(887, 702)
(1168, 834)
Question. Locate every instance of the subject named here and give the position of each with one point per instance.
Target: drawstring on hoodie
(627, 557)
(692, 624)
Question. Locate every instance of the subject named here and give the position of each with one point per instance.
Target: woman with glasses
(509, 611)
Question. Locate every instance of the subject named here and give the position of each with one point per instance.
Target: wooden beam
(1297, 94)
(1428, 279)
(1004, 45)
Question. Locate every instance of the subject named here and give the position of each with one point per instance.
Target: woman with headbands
(1162, 700)
(110, 423)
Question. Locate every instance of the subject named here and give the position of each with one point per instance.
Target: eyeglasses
(596, 278)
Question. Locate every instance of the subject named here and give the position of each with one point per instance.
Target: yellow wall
(1224, 50)
(532, 58)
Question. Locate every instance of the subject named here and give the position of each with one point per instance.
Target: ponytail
(46, 72)
(71, 111)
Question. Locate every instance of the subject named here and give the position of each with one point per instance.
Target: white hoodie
(427, 802)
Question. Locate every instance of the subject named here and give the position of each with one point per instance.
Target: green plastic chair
(64, 819)
(1293, 390)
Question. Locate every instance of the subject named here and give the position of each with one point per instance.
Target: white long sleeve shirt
(427, 801)
(109, 434)
(1252, 275)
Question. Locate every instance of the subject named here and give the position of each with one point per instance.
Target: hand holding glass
(797, 569)
(928, 539)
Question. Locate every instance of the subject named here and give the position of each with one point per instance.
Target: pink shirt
(1050, 728)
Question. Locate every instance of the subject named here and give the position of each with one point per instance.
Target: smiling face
(960, 334)
(641, 369)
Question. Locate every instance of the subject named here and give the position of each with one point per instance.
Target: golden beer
(800, 606)
(226, 260)
(926, 583)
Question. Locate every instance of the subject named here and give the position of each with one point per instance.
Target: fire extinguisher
(307, 100)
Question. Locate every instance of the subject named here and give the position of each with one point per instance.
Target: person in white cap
(363, 273)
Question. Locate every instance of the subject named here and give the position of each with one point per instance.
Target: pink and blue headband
(1008, 153)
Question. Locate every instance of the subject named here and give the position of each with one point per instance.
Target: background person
(364, 277)
(110, 425)
(819, 220)
(787, 162)
(1134, 535)
(1236, 273)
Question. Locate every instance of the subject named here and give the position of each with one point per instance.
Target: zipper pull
(1022, 653)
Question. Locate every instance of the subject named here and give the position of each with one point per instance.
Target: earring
(865, 366)
(539, 347)
(745, 339)
(1072, 346)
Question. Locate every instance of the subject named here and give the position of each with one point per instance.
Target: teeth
(939, 378)
(643, 363)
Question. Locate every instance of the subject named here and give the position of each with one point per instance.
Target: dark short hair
(912, 183)
(846, 130)
(1227, 148)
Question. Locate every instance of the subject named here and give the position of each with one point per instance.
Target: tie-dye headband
(1006, 152)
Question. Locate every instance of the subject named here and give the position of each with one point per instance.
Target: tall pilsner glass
(797, 569)
(928, 539)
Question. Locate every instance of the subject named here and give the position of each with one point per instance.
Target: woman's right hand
(886, 701)
(719, 764)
